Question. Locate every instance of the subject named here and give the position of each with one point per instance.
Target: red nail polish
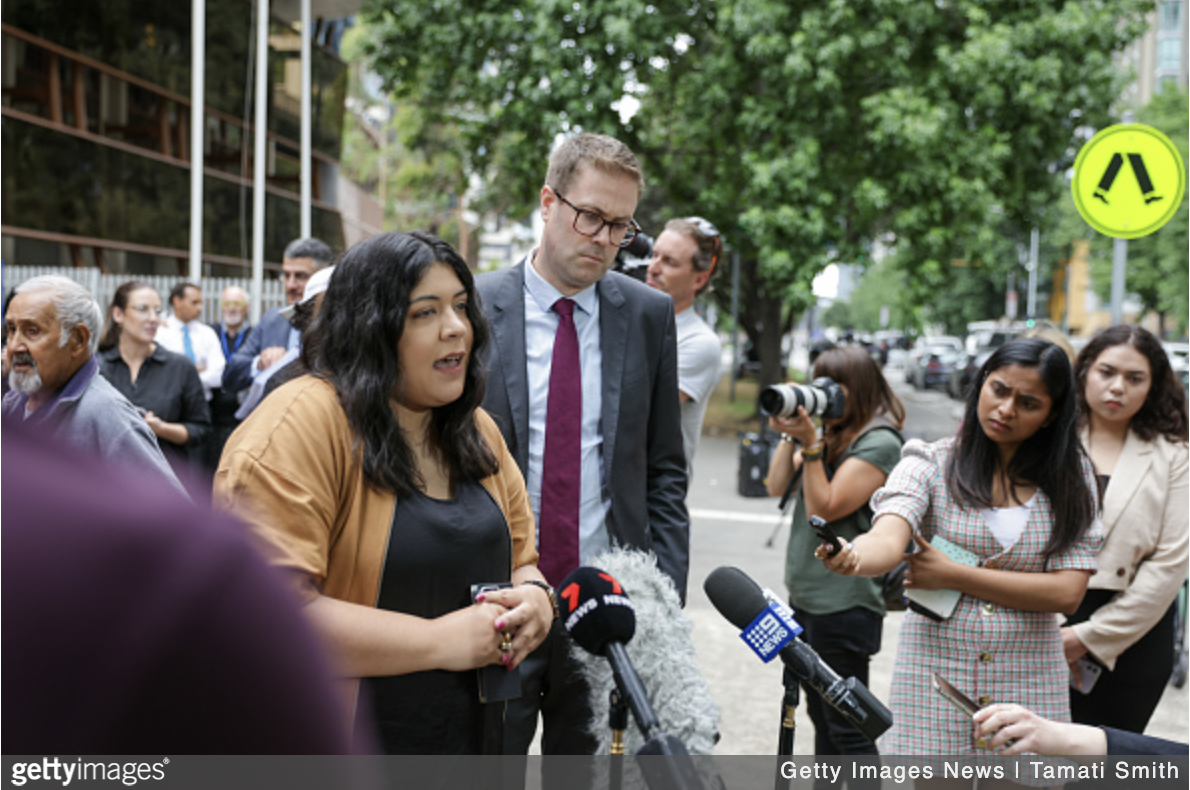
(480, 598)
(499, 625)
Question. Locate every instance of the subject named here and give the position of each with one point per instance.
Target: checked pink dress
(988, 652)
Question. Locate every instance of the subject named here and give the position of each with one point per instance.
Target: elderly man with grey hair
(52, 325)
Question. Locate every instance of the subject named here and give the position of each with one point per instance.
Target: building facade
(96, 126)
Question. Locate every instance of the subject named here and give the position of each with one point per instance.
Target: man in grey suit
(633, 468)
(274, 336)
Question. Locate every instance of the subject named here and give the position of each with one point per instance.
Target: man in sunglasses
(684, 258)
(583, 384)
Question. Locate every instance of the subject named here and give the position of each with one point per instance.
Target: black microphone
(740, 600)
(599, 617)
(663, 653)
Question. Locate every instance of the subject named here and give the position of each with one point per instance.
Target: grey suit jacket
(643, 458)
(1144, 552)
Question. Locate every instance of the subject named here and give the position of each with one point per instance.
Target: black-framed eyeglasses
(590, 224)
(711, 232)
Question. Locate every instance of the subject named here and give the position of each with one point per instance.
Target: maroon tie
(561, 470)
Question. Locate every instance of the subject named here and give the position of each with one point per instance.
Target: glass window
(60, 183)
(1169, 54)
(1171, 16)
(150, 39)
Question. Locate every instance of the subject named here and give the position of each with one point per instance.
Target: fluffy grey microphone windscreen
(663, 655)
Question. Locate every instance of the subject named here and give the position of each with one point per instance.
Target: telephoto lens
(822, 398)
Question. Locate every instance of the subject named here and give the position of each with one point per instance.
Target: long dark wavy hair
(1052, 459)
(111, 330)
(1164, 411)
(868, 395)
(353, 345)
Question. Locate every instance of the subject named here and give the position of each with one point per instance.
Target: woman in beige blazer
(1134, 427)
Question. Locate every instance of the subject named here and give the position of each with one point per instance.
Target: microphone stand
(788, 724)
(676, 771)
(618, 721)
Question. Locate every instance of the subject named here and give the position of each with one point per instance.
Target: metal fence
(103, 286)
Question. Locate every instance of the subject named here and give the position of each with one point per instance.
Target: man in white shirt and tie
(184, 333)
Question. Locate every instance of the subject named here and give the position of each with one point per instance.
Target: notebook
(940, 604)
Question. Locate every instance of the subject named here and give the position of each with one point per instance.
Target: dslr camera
(634, 259)
(821, 398)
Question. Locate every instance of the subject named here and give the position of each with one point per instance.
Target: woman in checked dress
(1015, 489)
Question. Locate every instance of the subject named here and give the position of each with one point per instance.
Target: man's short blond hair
(605, 154)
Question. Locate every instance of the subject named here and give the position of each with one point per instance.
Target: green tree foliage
(883, 286)
(413, 163)
(804, 128)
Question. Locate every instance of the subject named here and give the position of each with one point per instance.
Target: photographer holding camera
(834, 477)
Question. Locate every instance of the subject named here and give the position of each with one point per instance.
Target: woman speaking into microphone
(389, 494)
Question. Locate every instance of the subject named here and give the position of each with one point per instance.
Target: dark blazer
(1124, 742)
(643, 457)
(273, 330)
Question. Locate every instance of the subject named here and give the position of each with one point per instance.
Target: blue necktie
(187, 346)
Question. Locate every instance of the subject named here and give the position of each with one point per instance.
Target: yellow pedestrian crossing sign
(1128, 181)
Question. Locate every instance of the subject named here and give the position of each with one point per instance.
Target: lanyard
(223, 339)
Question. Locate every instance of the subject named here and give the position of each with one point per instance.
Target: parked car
(1179, 360)
(929, 363)
(992, 338)
(962, 375)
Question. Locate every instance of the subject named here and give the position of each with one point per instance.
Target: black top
(167, 385)
(225, 403)
(437, 549)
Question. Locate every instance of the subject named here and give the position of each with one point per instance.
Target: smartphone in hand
(952, 695)
(496, 682)
(826, 534)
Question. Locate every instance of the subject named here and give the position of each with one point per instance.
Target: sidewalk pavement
(729, 529)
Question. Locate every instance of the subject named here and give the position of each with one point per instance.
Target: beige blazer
(1144, 552)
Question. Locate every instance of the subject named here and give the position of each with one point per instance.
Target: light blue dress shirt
(541, 325)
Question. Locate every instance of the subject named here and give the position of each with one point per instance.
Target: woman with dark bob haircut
(380, 483)
(1133, 423)
(1004, 513)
